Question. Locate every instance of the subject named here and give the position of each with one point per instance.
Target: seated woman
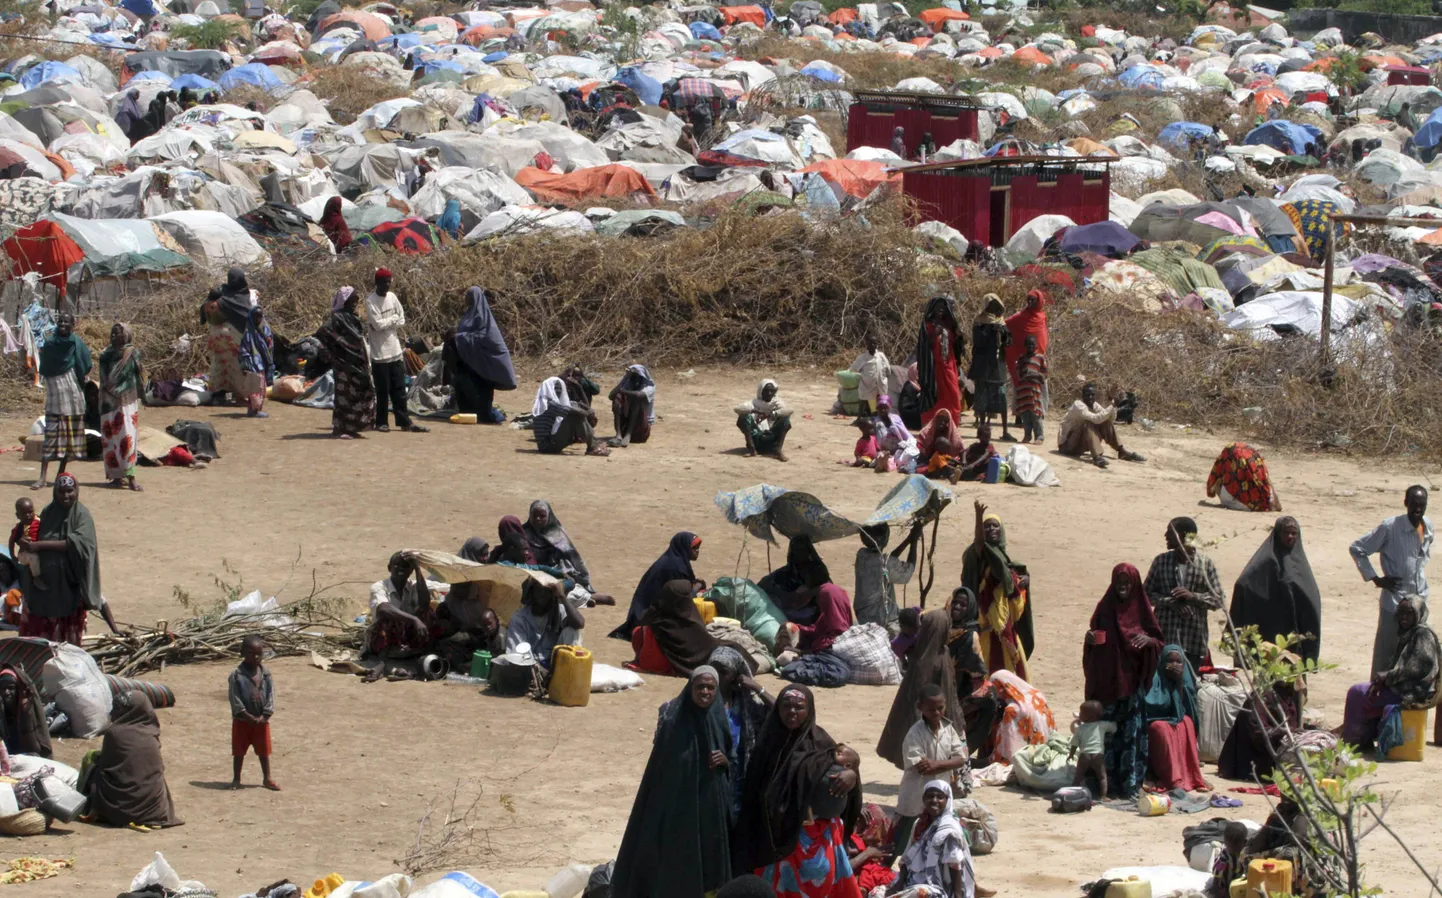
(1251, 747)
(869, 850)
(938, 861)
(551, 546)
(561, 416)
(22, 715)
(670, 639)
(1411, 681)
(899, 451)
(788, 585)
(1240, 482)
(401, 616)
(765, 421)
(545, 620)
(633, 406)
(126, 782)
(674, 564)
(833, 618)
(1021, 715)
(940, 435)
(1170, 711)
(464, 621)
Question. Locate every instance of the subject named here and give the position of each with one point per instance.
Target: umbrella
(1105, 238)
(412, 236)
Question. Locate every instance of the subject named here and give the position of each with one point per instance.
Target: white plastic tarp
(213, 241)
(1300, 309)
(477, 190)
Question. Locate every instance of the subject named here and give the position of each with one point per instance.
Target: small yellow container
(464, 418)
(1276, 875)
(1238, 889)
(1414, 737)
(707, 609)
(1132, 887)
(1152, 805)
(570, 676)
(323, 887)
(1332, 788)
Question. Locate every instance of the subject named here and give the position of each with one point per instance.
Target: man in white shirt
(1405, 545)
(1088, 428)
(384, 320)
(401, 616)
(874, 369)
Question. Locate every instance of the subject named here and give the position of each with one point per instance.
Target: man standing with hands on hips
(384, 320)
(1405, 545)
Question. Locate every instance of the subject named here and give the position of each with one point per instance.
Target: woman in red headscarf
(1029, 322)
(1119, 660)
(333, 223)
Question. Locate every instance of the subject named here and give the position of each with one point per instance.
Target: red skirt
(649, 657)
(56, 629)
(1175, 760)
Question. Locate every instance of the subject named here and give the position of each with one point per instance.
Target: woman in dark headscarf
(746, 705)
(22, 715)
(1003, 595)
(674, 564)
(64, 362)
(794, 777)
(927, 663)
(481, 363)
(333, 223)
(674, 624)
(256, 346)
(1170, 709)
(1411, 681)
(1252, 745)
(57, 601)
(512, 545)
(343, 337)
(1118, 660)
(793, 585)
(127, 784)
(227, 311)
(552, 546)
(939, 349)
(989, 339)
(1277, 593)
(130, 117)
(120, 380)
(677, 840)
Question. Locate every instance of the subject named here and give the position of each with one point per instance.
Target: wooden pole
(1327, 295)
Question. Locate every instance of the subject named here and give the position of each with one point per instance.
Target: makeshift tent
(766, 510)
(854, 176)
(1105, 238)
(753, 14)
(1289, 137)
(116, 247)
(1178, 134)
(45, 249)
(586, 184)
(214, 241)
(647, 89)
(372, 25)
(210, 64)
(412, 236)
(251, 74)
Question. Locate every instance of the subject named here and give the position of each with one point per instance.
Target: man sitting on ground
(1090, 428)
(545, 620)
(562, 415)
(401, 618)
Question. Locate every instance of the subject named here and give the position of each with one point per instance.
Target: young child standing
(1228, 865)
(875, 371)
(28, 528)
(1089, 739)
(1030, 385)
(252, 702)
(932, 749)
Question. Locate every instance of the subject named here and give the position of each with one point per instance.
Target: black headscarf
(677, 838)
(925, 364)
(127, 784)
(780, 779)
(801, 559)
(71, 577)
(344, 338)
(1278, 593)
(233, 299)
(480, 344)
(24, 728)
(677, 627)
(674, 564)
(927, 663)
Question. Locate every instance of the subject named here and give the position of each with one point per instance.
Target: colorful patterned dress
(1241, 472)
(818, 868)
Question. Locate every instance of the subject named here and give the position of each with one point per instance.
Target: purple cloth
(1370, 262)
(1364, 712)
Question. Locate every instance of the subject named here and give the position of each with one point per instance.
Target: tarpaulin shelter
(44, 248)
(705, 31)
(253, 74)
(646, 88)
(856, 177)
(766, 510)
(1105, 238)
(210, 64)
(753, 14)
(584, 184)
(1289, 137)
(412, 236)
(116, 247)
(877, 113)
(937, 18)
(1177, 134)
(371, 25)
(49, 70)
(1199, 223)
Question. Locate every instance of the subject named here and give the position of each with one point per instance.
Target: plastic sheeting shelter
(411, 236)
(1289, 137)
(753, 14)
(646, 88)
(1177, 134)
(119, 246)
(766, 510)
(210, 64)
(584, 184)
(214, 241)
(252, 74)
(44, 248)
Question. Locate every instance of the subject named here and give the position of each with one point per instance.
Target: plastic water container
(569, 881)
(707, 610)
(1414, 737)
(570, 676)
(323, 887)
(1276, 875)
(993, 469)
(464, 418)
(1152, 805)
(481, 664)
(1131, 887)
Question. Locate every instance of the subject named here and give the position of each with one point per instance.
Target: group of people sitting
(563, 416)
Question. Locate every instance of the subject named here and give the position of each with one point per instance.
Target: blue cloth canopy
(705, 31)
(647, 89)
(252, 73)
(142, 8)
(494, 57)
(49, 70)
(1288, 137)
(1430, 133)
(194, 82)
(821, 74)
(1178, 133)
(404, 41)
(765, 510)
(1141, 76)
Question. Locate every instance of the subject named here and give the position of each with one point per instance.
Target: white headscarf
(551, 392)
(648, 387)
(942, 845)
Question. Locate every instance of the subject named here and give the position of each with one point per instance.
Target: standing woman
(64, 362)
(939, 349)
(256, 365)
(1118, 660)
(482, 363)
(989, 340)
(1003, 596)
(794, 769)
(677, 840)
(1277, 593)
(333, 223)
(747, 705)
(343, 336)
(227, 311)
(68, 587)
(120, 380)
(928, 663)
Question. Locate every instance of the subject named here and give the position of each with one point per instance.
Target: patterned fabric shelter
(765, 510)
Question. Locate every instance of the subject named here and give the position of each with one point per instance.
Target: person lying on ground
(633, 406)
(1088, 428)
(765, 421)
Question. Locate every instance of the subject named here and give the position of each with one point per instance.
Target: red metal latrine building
(987, 200)
(876, 113)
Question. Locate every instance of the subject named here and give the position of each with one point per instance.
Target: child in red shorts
(252, 702)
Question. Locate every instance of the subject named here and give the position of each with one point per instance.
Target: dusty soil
(360, 763)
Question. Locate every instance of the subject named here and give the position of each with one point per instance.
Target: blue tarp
(1288, 137)
(149, 75)
(1105, 238)
(705, 31)
(49, 70)
(648, 89)
(494, 57)
(1178, 133)
(821, 74)
(194, 82)
(1141, 76)
(766, 510)
(1430, 134)
(404, 41)
(252, 73)
(142, 8)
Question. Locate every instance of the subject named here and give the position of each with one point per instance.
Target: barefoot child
(1089, 739)
(252, 702)
(932, 749)
(28, 529)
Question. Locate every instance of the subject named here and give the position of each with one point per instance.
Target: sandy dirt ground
(360, 763)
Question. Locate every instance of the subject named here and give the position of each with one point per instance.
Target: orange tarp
(374, 26)
(483, 33)
(753, 14)
(857, 177)
(1433, 238)
(1371, 62)
(584, 184)
(937, 18)
(44, 248)
(843, 16)
(1031, 56)
(990, 52)
(1266, 97)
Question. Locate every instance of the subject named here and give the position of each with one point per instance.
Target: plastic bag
(599, 885)
(455, 885)
(265, 613)
(1217, 710)
(396, 885)
(866, 649)
(605, 678)
(748, 603)
(74, 682)
(1045, 767)
(979, 823)
(160, 873)
(1028, 469)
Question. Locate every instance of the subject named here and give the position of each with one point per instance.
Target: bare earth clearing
(359, 763)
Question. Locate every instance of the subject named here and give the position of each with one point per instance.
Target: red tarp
(43, 248)
(584, 184)
(753, 14)
(857, 177)
(937, 18)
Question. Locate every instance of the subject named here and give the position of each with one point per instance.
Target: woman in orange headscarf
(1029, 322)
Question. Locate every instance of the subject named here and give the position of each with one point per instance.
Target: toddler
(1088, 744)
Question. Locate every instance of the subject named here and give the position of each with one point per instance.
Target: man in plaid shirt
(1183, 586)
